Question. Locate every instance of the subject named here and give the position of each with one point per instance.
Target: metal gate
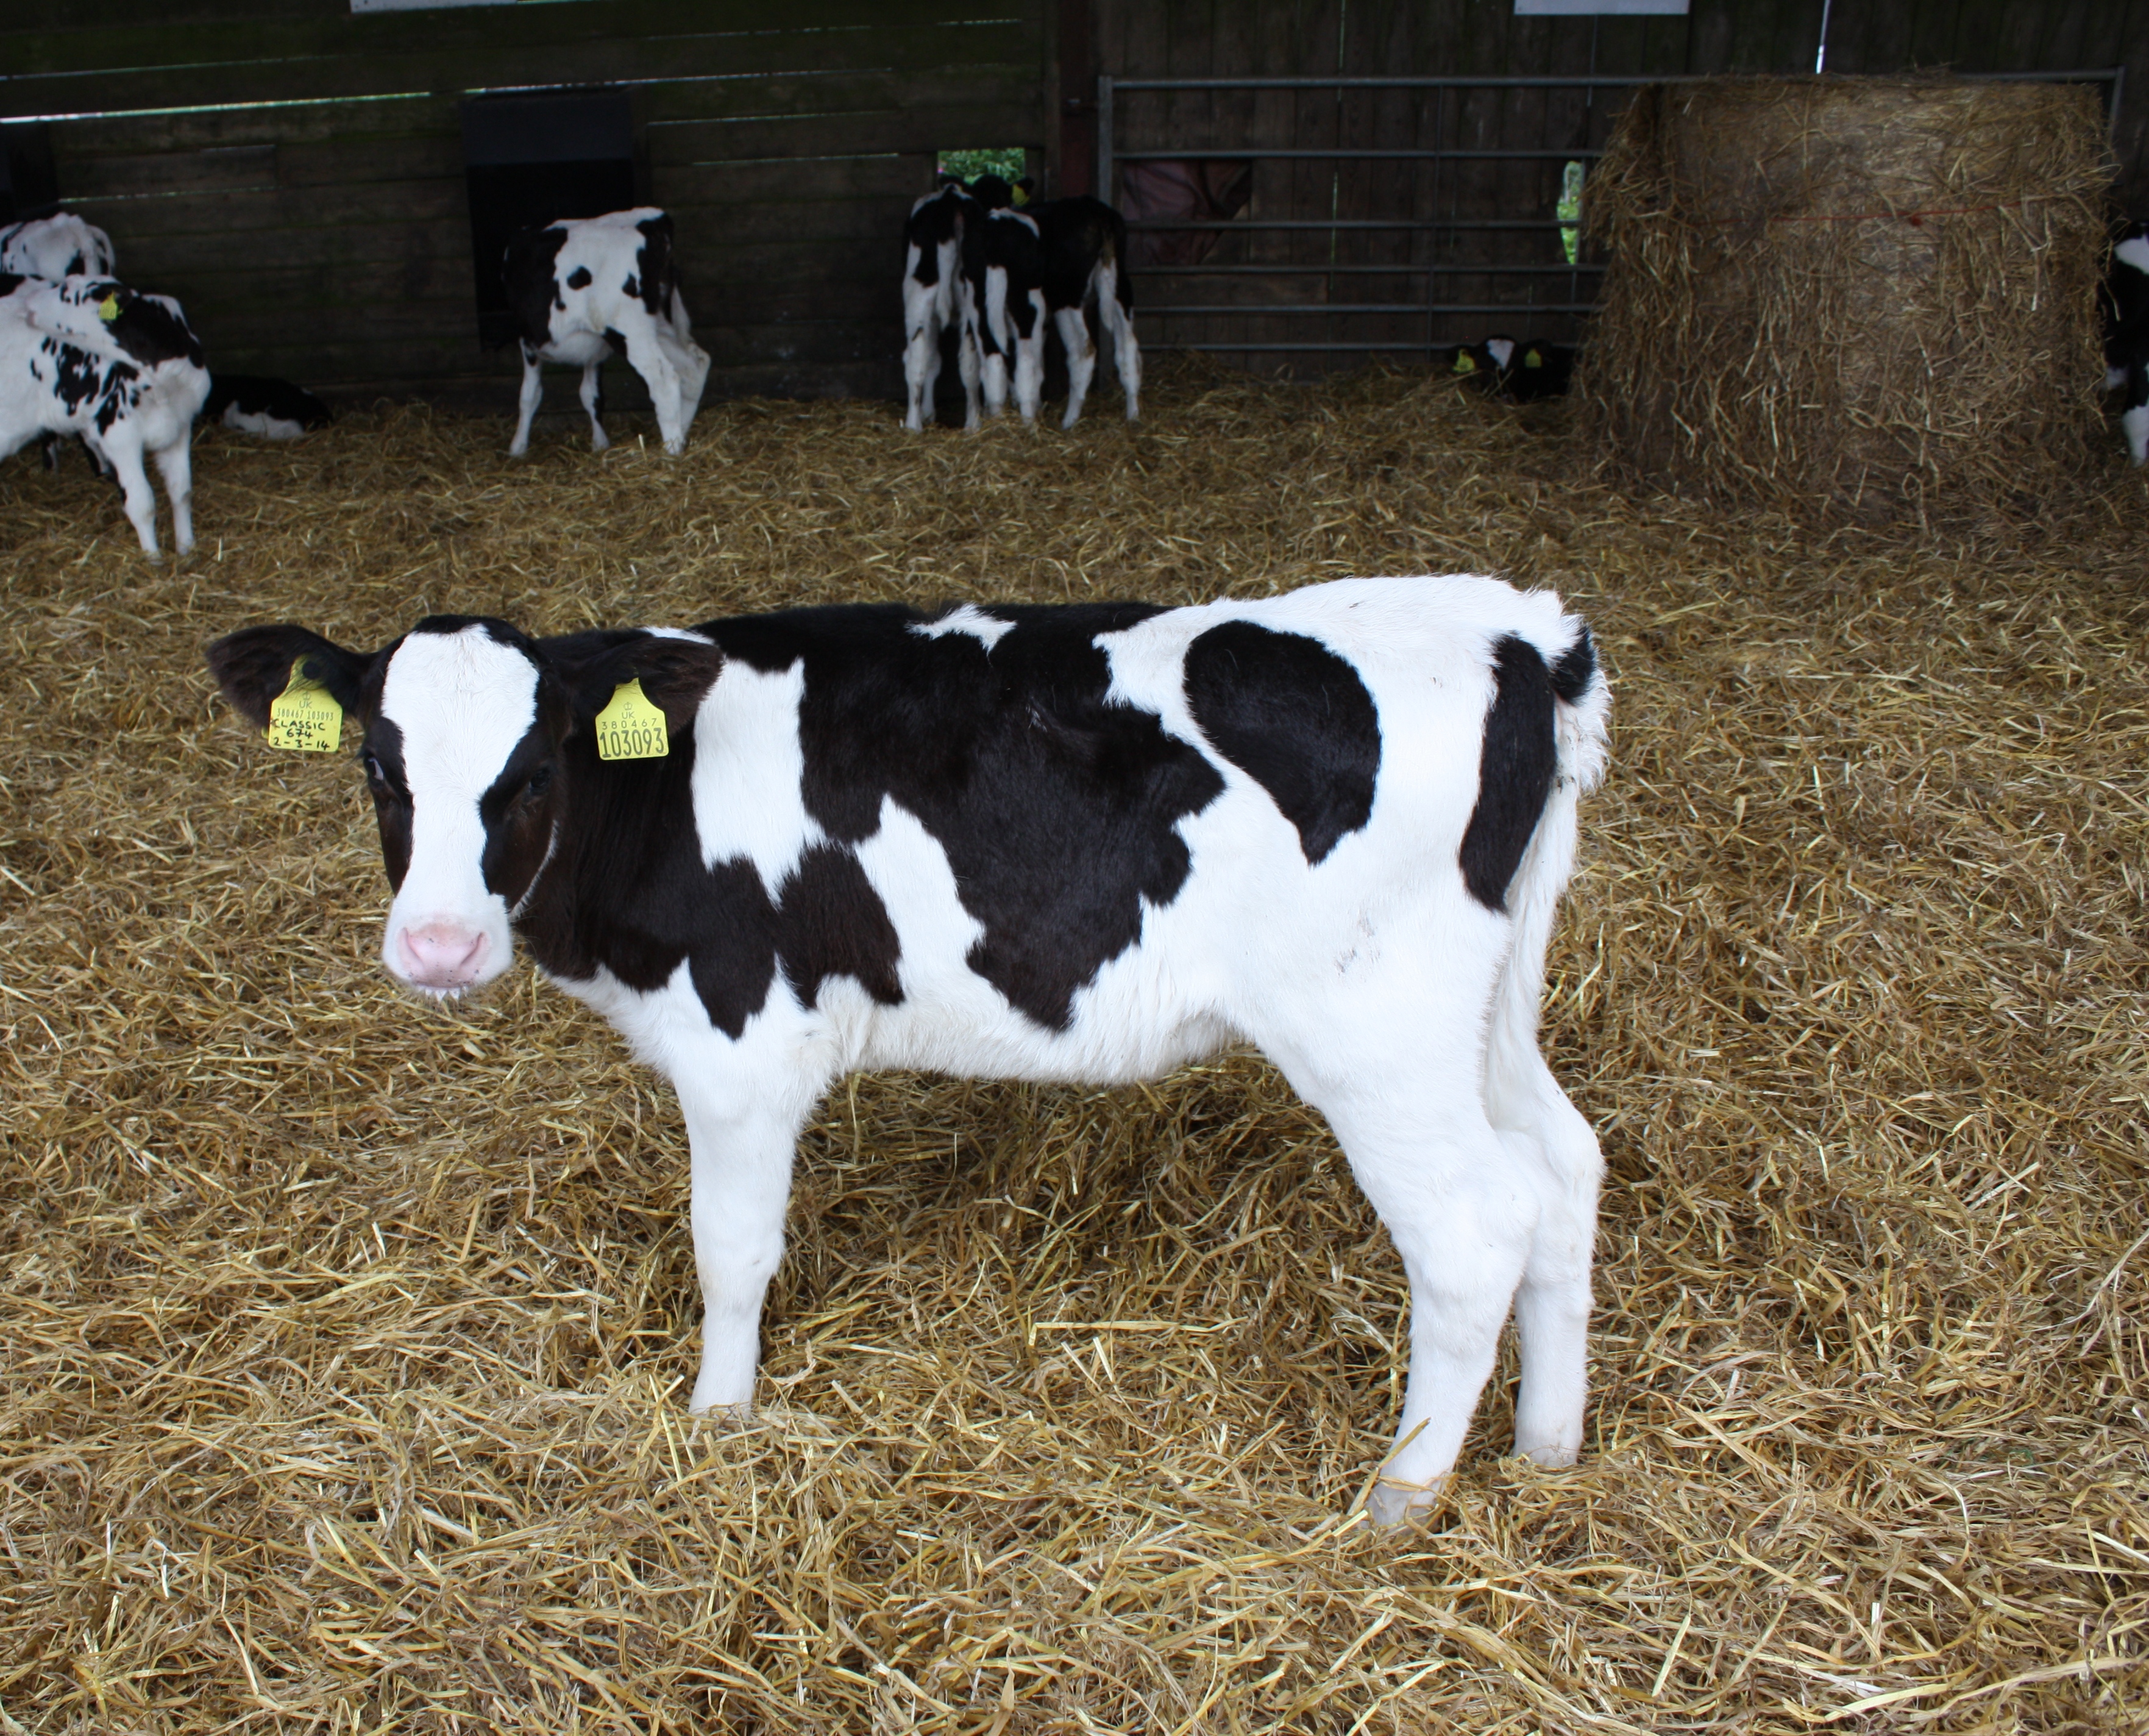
(1421, 213)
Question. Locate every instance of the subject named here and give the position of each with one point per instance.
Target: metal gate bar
(1110, 156)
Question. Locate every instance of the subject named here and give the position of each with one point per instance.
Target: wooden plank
(896, 177)
(250, 211)
(309, 121)
(323, 30)
(152, 259)
(224, 169)
(840, 91)
(705, 229)
(918, 131)
(667, 67)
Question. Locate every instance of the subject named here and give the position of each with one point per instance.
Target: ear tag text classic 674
(631, 727)
(305, 716)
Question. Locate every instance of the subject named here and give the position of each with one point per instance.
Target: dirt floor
(344, 1341)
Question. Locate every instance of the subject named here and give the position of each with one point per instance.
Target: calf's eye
(541, 780)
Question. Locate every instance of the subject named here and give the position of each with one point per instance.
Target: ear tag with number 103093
(631, 727)
(305, 716)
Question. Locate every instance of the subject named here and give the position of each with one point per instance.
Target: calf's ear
(674, 673)
(254, 665)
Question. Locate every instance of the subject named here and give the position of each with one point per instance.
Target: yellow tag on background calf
(631, 727)
(305, 716)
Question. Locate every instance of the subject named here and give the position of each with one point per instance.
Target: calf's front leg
(533, 393)
(741, 1184)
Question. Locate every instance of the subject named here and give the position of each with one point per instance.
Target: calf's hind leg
(175, 464)
(1549, 1139)
(1398, 1078)
(593, 402)
(123, 450)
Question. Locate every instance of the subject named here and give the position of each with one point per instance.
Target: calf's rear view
(1086, 842)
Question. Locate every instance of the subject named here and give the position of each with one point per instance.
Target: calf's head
(473, 739)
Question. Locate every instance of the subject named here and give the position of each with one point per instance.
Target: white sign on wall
(1586, 8)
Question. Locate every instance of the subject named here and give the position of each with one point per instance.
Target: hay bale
(1855, 298)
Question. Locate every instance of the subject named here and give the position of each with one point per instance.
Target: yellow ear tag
(631, 727)
(107, 310)
(1465, 362)
(1021, 197)
(305, 716)
(1531, 359)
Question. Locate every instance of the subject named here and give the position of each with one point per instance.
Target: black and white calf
(2126, 334)
(1084, 843)
(935, 299)
(263, 405)
(54, 247)
(1052, 262)
(92, 357)
(1084, 242)
(585, 288)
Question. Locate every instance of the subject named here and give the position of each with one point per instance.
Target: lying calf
(1085, 843)
(92, 357)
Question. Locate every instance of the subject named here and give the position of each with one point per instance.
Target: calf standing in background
(1085, 843)
(934, 300)
(1083, 243)
(2126, 334)
(54, 247)
(587, 287)
(51, 248)
(92, 357)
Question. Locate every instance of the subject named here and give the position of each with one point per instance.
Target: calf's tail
(1581, 707)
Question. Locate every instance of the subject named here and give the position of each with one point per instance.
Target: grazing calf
(2126, 334)
(586, 287)
(1080, 843)
(92, 357)
(261, 404)
(54, 247)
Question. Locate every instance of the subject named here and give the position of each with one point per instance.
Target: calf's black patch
(830, 922)
(1296, 719)
(579, 278)
(526, 273)
(1058, 810)
(1514, 771)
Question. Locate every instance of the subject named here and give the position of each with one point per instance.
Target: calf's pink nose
(443, 954)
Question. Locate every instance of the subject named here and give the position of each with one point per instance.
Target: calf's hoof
(1390, 1505)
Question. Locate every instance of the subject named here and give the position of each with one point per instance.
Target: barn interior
(348, 1338)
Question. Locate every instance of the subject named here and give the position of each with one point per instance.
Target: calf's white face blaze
(462, 702)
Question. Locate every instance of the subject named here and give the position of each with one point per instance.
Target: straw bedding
(1850, 298)
(345, 1340)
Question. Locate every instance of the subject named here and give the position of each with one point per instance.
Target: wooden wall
(1359, 38)
(294, 173)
